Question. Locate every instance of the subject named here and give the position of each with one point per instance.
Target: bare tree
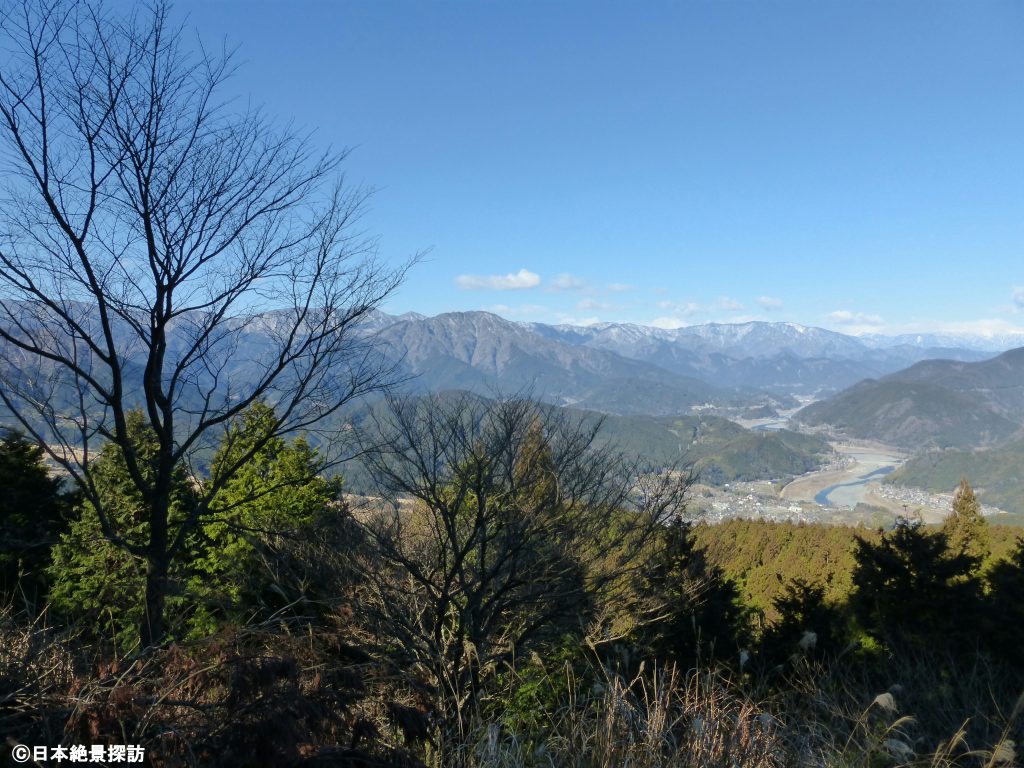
(163, 248)
(509, 523)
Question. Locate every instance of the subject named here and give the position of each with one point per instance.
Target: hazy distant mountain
(935, 403)
(779, 357)
(998, 381)
(484, 353)
(616, 367)
(992, 343)
(475, 349)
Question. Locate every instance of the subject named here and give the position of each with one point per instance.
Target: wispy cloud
(846, 317)
(591, 305)
(522, 310)
(857, 323)
(567, 282)
(680, 309)
(726, 304)
(524, 278)
(678, 314)
(620, 287)
(1018, 297)
(769, 303)
(564, 319)
(668, 322)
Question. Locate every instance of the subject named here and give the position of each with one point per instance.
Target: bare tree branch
(150, 233)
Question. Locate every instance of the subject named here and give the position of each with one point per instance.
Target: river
(848, 487)
(851, 493)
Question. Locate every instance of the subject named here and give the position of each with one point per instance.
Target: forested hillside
(290, 605)
(933, 404)
(997, 472)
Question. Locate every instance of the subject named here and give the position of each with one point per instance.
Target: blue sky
(858, 166)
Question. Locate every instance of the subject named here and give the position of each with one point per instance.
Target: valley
(780, 420)
(858, 471)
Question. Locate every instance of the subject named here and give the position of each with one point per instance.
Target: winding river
(845, 488)
(837, 496)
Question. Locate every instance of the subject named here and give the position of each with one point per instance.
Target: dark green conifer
(910, 588)
(965, 528)
(34, 511)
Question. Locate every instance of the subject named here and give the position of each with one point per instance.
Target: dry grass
(253, 697)
(664, 719)
(277, 696)
(702, 719)
(36, 671)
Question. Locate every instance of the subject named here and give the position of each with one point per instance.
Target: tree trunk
(152, 629)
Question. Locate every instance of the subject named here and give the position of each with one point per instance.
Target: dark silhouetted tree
(699, 613)
(34, 511)
(807, 625)
(163, 249)
(1005, 607)
(910, 588)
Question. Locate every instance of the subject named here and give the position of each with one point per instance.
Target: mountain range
(625, 368)
(659, 385)
(618, 368)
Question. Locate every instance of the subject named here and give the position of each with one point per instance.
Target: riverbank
(866, 465)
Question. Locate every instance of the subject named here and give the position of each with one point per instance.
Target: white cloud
(1018, 297)
(523, 310)
(620, 287)
(857, 323)
(524, 278)
(728, 305)
(680, 309)
(572, 320)
(769, 303)
(846, 317)
(566, 282)
(668, 322)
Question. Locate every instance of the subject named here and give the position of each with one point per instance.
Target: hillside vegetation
(997, 472)
(763, 557)
(524, 600)
(935, 403)
(721, 451)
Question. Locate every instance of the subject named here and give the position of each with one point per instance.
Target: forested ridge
(320, 632)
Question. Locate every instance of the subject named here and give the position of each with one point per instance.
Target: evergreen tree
(1005, 610)
(238, 559)
(34, 512)
(965, 528)
(702, 614)
(241, 557)
(92, 578)
(910, 588)
(807, 625)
